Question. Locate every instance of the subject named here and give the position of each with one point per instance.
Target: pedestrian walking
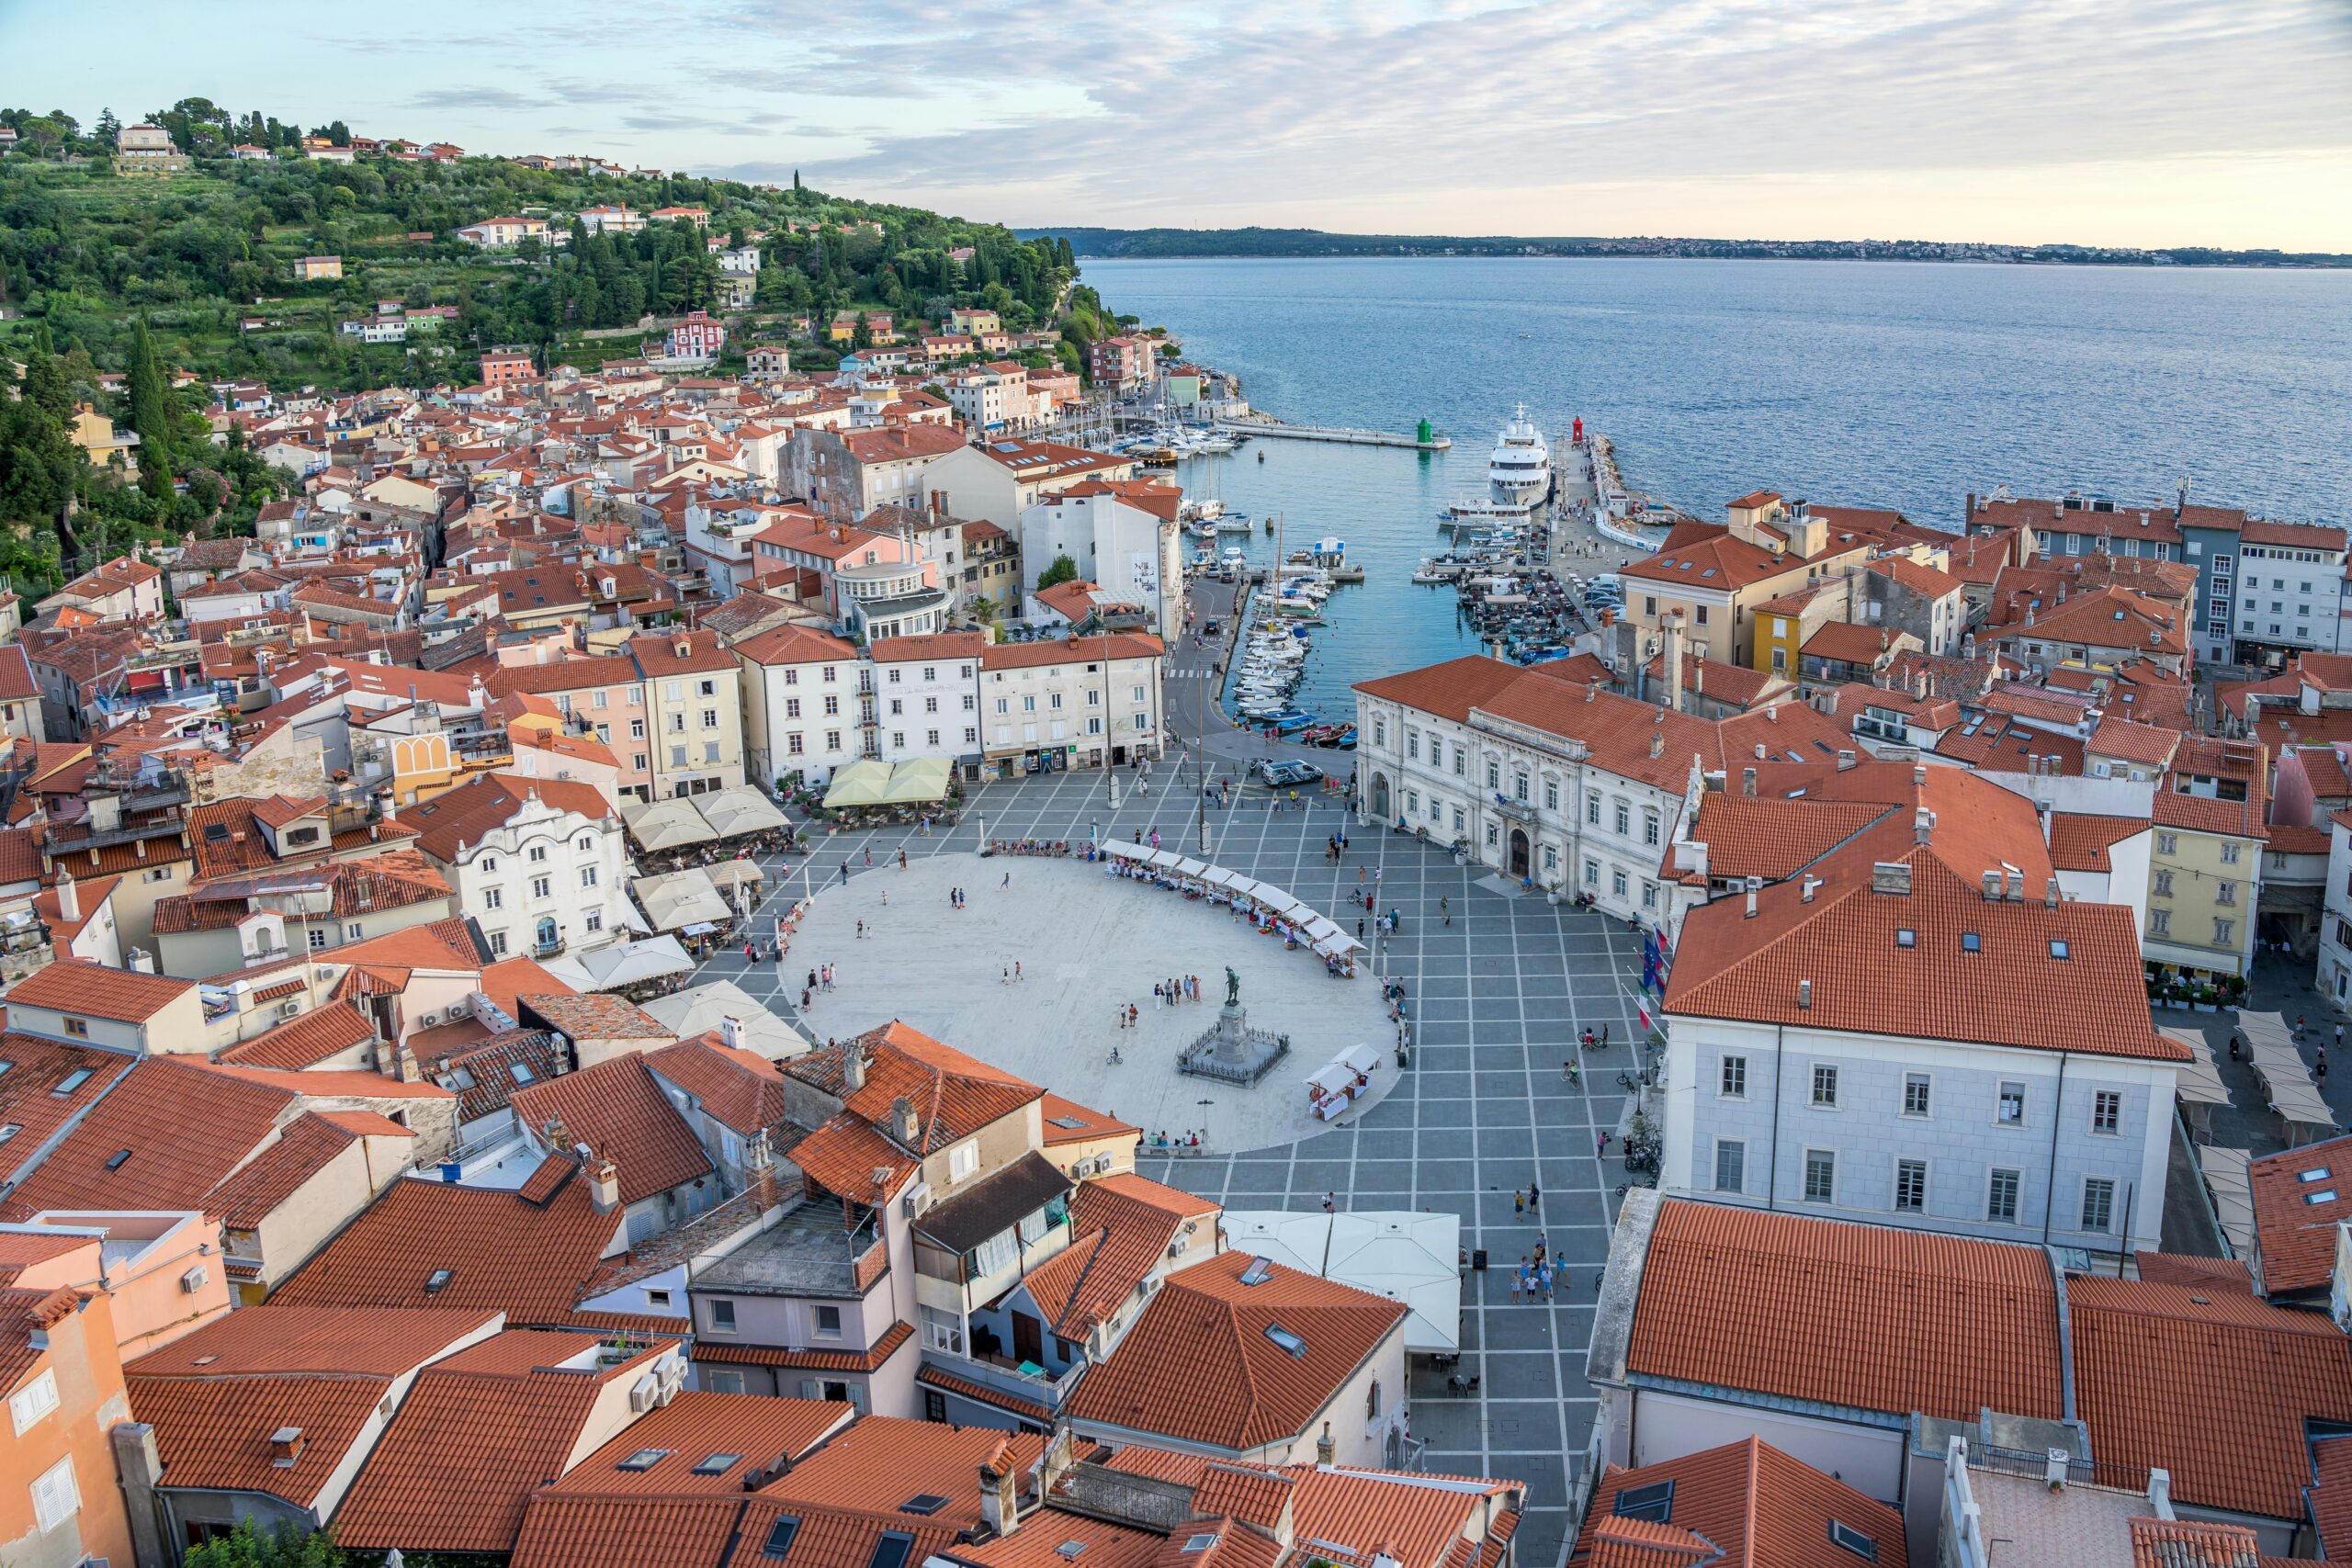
(1016, 971)
(885, 897)
(1155, 1001)
(844, 871)
(1008, 879)
(1445, 909)
(1359, 875)
(1518, 1280)
(1358, 930)
(1518, 1200)
(861, 930)
(869, 854)
(1605, 1037)
(1535, 1202)
(1133, 1014)
(812, 979)
(902, 860)
(1330, 1202)
(1004, 974)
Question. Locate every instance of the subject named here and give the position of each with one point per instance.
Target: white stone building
(541, 864)
(1091, 699)
(926, 696)
(1123, 538)
(801, 690)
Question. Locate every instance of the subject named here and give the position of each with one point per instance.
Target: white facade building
(800, 700)
(542, 866)
(1123, 538)
(926, 696)
(1091, 699)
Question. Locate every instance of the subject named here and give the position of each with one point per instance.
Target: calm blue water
(1858, 384)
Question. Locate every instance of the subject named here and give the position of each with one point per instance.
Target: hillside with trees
(191, 277)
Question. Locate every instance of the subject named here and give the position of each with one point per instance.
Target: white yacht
(1520, 470)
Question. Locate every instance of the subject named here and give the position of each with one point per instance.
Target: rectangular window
(722, 1316)
(1910, 1186)
(829, 1323)
(56, 1498)
(1624, 820)
(2107, 1111)
(1413, 745)
(2167, 844)
(1649, 827)
(963, 1160)
(1551, 795)
(2010, 1109)
(1730, 1164)
(1825, 1086)
(1731, 1082)
(1820, 1176)
(2160, 922)
(2161, 884)
(2224, 932)
(541, 887)
(498, 944)
(2098, 1203)
(1914, 1094)
(491, 898)
(1592, 810)
(587, 876)
(2001, 1198)
(33, 1401)
(80, 1027)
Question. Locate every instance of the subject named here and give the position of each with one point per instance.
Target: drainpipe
(2050, 1177)
(1772, 1178)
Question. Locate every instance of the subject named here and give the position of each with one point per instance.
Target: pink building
(699, 336)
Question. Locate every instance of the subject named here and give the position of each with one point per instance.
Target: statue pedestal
(1232, 1052)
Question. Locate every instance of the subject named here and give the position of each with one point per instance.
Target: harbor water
(1879, 384)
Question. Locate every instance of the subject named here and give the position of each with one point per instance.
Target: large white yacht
(1519, 472)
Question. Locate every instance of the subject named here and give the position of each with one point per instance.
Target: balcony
(1001, 1375)
(1515, 809)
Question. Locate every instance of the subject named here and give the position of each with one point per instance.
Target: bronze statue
(1232, 988)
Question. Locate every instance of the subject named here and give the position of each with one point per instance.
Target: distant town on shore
(1139, 243)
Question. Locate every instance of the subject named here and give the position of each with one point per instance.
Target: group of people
(954, 897)
(1188, 1139)
(1535, 1276)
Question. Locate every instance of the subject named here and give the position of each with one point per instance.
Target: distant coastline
(1252, 245)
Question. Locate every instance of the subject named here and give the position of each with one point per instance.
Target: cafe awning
(666, 825)
(681, 899)
(740, 809)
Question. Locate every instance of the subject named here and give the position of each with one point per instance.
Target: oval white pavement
(1086, 941)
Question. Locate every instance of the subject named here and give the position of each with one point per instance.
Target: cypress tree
(150, 413)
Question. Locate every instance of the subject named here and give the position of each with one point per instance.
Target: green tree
(150, 413)
(245, 1547)
(1064, 569)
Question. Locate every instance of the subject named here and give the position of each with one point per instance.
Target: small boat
(1284, 723)
(1426, 575)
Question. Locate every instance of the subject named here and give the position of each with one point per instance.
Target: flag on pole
(1643, 1012)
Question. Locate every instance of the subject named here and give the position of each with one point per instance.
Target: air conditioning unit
(288, 1009)
(193, 1279)
(427, 1020)
(462, 1007)
(1150, 1283)
(917, 1200)
(644, 1393)
(1101, 1164)
(1077, 1170)
(1176, 1249)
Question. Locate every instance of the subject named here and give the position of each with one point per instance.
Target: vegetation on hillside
(192, 275)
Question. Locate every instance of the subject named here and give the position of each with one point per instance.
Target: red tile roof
(92, 990)
(2080, 842)
(866, 1361)
(214, 1433)
(756, 1428)
(954, 1095)
(2210, 1384)
(1796, 962)
(1199, 1365)
(306, 1146)
(467, 814)
(186, 1127)
(502, 1251)
(1870, 1317)
(29, 1100)
(617, 1109)
(1121, 1227)
(1752, 1505)
(1092, 1125)
(477, 1435)
(2294, 1238)
(738, 1089)
(306, 1040)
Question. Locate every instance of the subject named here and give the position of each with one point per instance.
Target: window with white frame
(2098, 1203)
(1914, 1094)
(2008, 1108)
(963, 1160)
(1910, 1186)
(1731, 1078)
(33, 1401)
(2107, 1111)
(56, 1497)
(1820, 1176)
(2001, 1197)
(1825, 1085)
(1731, 1166)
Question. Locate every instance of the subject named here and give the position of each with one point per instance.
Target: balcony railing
(1001, 1375)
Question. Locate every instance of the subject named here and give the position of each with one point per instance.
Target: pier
(1432, 442)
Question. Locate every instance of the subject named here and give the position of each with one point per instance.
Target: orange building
(59, 1503)
(164, 1268)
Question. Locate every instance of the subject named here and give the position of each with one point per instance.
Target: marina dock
(1423, 440)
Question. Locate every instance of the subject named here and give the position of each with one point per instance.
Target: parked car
(1285, 775)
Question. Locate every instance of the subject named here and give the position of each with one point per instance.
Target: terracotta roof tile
(277, 1338)
(478, 1434)
(305, 1040)
(757, 1429)
(2294, 1236)
(2212, 1386)
(954, 1095)
(1091, 1126)
(304, 1147)
(215, 1123)
(501, 1252)
(866, 1361)
(2080, 842)
(1757, 1505)
(469, 813)
(617, 1109)
(735, 1087)
(31, 1100)
(1865, 1316)
(594, 1016)
(214, 1433)
(92, 990)
(1200, 1365)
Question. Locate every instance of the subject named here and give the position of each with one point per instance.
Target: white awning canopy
(2200, 1082)
(681, 899)
(2233, 1189)
(1404, 1256)
(666, 825)
(740, 810)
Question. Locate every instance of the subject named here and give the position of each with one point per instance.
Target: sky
(2127, 122)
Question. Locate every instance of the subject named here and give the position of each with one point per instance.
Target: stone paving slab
(1498, 998)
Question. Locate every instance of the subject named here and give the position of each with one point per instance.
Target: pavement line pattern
(1497, 998)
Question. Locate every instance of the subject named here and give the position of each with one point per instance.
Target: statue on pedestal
(1232, 988)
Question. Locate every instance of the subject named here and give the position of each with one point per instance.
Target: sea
(1848, 383)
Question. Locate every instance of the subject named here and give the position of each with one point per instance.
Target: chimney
(1992, 887)
(1845, 761)
(1804, 994)
(1672, 629)
(556, 1135)
(2050, 893)
(1891, 876)
(1000, 1498)
(1657, 742)
(2016, 883)
(1918, 776)
(1747, 781)
(1923, 826)
(1057, 1462)
(2160, 1492)
(759, 1160)
(1324, 1448)
(1811, 881)
(285, 1447)
(406, 1067)
(853, 1067)
(731, 1032)
(605, 1186)
(1751, 900)
(905, 1126)
(69, 898)
(1759, 751)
